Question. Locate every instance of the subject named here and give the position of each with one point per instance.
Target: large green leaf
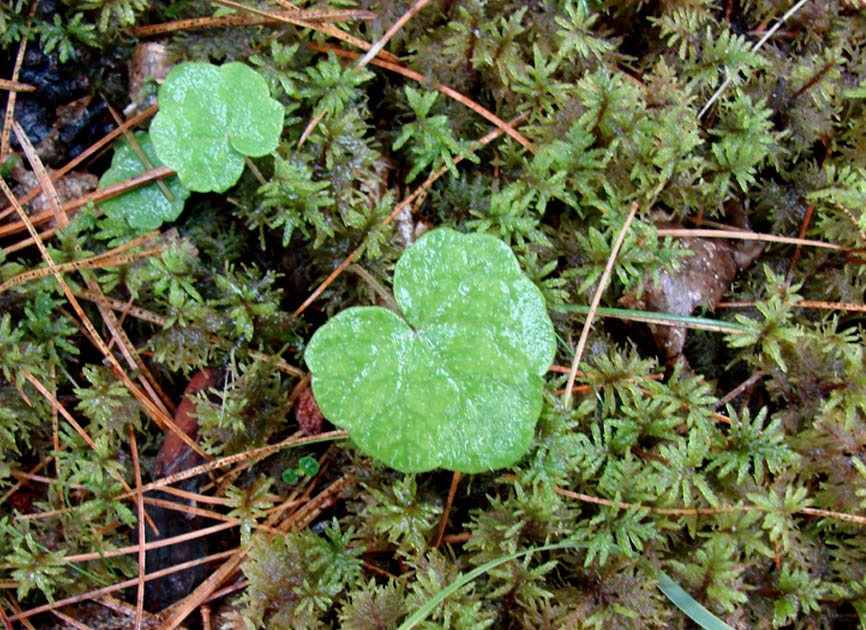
(144, 208)
(209, 118)
(456, 381)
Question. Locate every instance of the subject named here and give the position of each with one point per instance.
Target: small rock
(701, 280)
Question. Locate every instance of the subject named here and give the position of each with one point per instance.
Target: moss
(611, 92)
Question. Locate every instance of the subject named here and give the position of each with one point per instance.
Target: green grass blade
(686, 603)
(75, 567)
(74, 514)
(662, 319)
(422, 613)
(682, 600)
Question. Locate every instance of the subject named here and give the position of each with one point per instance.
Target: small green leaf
(458, 382)
(209, 118)
(290, 476)
(144, 208)
(308, 466)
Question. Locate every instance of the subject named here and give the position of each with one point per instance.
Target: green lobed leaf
(144, 208)
(457, 383)
(209, 118)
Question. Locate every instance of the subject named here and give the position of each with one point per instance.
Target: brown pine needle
(15, 86)
(306, 19)
(41, 175)
(336, 33)
(156, 413)
(311, 126)
(194, 511)
(370, 54)
(452, 490)
(22, 616)
(139, 504)
(204, 590)
(457, 96)
(396, 26)
(851, 218)
(312, 19)
(145, 161)
(833, 306)
(100, 261)
(152, 400)
(746, 236)
(83, 156)
(159, 320)
(10, 101)
(302, 17)
(15, 488)
(804, 226)
(755, 48)
(596, 299)
(77, 427)
(397, 210)
(228, 460)
(622, 505)
(96, 196)
(312, 508)
(78, 625)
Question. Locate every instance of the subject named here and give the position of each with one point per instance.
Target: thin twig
(159, 416)
(21, 616)
(379, 45)
(84, 155)
(755, 48)
(746, 236)
(151, 400)
(139, 152)
(754, 378)
(803, 228)
(450, 92)
(452, 490)
(10, 101)
(142, 540)
(833, 306)
(602, 284)
(15, 86)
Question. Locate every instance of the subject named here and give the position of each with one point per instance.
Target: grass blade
(662, 319)
(682, 600)
(690, 607)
